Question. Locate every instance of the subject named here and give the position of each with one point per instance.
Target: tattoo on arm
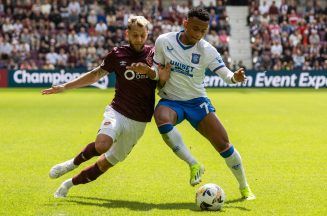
(99, 72)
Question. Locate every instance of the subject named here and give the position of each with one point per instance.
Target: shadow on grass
(141, 206)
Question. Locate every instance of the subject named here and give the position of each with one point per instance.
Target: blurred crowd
(49, 34)
(283, 37)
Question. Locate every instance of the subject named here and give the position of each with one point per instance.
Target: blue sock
(163, 129)
(227, 153)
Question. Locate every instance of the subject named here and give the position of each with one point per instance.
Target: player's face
(137, 37)
(195, 29)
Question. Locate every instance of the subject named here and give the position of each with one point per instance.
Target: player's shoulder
(115, 50)
(167, 36)
(149, 48)
(206, 47)
(120, 51)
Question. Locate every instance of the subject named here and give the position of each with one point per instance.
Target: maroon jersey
(135, 93)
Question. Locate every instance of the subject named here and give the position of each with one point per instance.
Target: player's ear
(126, 34)
(185, 22)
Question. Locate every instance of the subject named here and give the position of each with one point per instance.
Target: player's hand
(239, 75)
(140, 68)
(53, 90)
(164, 72)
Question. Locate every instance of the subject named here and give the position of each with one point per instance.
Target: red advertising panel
(3, 78)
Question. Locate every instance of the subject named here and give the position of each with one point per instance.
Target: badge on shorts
(107, 123)
(195, 58)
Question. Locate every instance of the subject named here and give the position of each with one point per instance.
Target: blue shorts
(192, 110)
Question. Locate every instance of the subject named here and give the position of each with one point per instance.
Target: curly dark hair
(200, 13)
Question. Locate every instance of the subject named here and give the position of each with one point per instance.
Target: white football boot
(61, 192)
(62, 168)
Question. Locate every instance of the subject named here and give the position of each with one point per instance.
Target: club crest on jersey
(195, 58)
(122, 63)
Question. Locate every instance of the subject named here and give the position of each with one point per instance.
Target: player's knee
(103, 143)
(103, 164)
(160, 118)
(222, 144)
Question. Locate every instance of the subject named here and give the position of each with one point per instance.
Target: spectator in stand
(5, 48)
(74, 10)
(276, 50)
(273, 9)
(264, 8)
(72, 38)
(52, 57)
(46, 8)
(62, 58)
(101, 27)
(83, 37)
(314, 37)
(298, 59)
(213, 38)
(48, 66)
(306, 66)
(213, 17)
(277, 65)
(283, 7)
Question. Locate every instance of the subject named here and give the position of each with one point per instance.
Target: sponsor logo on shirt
(182, 68)
(130, 75)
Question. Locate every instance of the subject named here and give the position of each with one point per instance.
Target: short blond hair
(137, 20)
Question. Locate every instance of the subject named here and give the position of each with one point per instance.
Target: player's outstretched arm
(239, 76)
(84, 80)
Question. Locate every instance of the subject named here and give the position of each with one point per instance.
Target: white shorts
(124, 132)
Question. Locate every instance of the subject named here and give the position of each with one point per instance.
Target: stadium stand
(45, 34)
(289, 36)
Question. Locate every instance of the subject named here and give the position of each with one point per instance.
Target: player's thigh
(197, 109)
(111, 127)
(125, 142)
(211, 128)
(168, 112)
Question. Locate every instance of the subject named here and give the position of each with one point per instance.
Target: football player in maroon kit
(122, 126)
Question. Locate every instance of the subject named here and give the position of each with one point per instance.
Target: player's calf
(87, 153)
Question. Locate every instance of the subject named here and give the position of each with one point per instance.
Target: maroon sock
(87, 175)
(88, 152)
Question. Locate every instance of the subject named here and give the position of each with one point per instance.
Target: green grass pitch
(281, 135)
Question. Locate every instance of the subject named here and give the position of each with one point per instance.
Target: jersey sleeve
(216, 63)
(218, 66)
(108, 62)
(158, 58)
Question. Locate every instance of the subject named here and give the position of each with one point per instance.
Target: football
(210, 197)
